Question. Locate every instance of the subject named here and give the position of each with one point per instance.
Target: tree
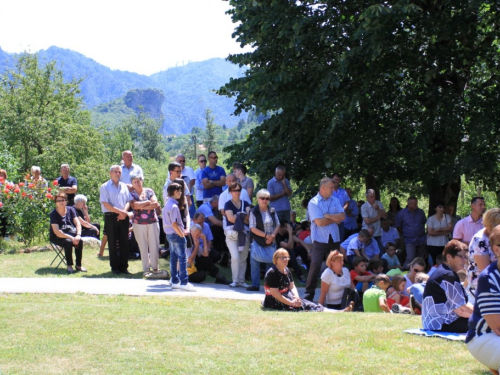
(396, 93)
(210, 130)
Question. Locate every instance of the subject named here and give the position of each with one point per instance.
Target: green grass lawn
(85, 334)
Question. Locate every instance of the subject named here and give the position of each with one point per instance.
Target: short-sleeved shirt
(487, 301)
(350, 221)
(198, 185)
(372, 249)
(117, 196)
(168, 181)
(246, 183)
(133, 170)
(337, 285)
(434, 223)
(70, 182)
(276, 187)
(226, 197)
(367, 211)
(391, 261)
(371, 299)
(213, 175)
(63, 221)
(206, 209)
(392, 235)
(187, 175)
(281, 281)
(171, 214)
(144, 217)
(443, 293)
(412, 225)
(346, 242)
(229, 206)
(354, 244)
(267, 219)
(479, 245)
(317, 208)
(354, 274)
(466, 228)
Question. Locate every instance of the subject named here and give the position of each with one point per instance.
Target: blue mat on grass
(443, 335)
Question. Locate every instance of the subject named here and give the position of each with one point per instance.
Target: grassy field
(84, 334)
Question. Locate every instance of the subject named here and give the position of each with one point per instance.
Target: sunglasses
(213, 157)
(264, 198)
(202, 161)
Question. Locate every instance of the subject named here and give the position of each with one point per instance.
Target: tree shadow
(51, 271)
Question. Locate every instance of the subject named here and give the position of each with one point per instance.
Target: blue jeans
(177, 246)
(255, 263)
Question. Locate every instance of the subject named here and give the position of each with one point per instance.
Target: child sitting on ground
(417, 292)
(395, 292)
(362, 279)
(374, 299)
(391, 257)
(376, 266)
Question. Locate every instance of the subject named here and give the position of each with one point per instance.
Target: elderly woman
(66, 231)
(281, 293)
(480, 252)
(146, 227)
(88, 229)
(483, 337)
(36, 177)
(237, 209)
(445, 305)
(334, 280)
(264, 225)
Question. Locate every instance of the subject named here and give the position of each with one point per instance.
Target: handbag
(230, 232)
(263, 254)
(352, 295)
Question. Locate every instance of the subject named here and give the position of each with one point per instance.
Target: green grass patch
(86, 334)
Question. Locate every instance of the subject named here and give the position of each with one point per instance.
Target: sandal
(81, 269)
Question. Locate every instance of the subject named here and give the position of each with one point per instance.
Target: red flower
(21, 184)
(1, 204)
(24, 194)
(49, 189)
(55, 183)
(31, 186)
(9, 186)
(30, 196)
(49, 196)
(17, 190)
(6, 191)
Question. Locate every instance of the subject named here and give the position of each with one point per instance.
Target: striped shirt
(487, 301)
(317, 208)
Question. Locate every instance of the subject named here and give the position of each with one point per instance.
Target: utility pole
(194, 142)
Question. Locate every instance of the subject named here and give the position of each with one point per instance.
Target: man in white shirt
(226, 196)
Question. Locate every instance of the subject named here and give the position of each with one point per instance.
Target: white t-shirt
(337, 285)
(434, 223)
(367, 211)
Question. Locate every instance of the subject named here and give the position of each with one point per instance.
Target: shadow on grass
(51, 271)
(111, 275)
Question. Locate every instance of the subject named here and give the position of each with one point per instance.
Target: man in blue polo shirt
(325, 213)
(280, 190)
(213, 177)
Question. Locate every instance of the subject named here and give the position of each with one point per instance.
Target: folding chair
(59, 254)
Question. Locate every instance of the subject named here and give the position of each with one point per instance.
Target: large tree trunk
(447, 193)
(371, 183)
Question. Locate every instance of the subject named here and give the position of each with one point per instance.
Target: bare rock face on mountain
(150, 100)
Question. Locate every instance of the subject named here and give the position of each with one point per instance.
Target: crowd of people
(444, 268)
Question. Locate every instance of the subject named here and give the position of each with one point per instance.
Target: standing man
(280, 190)
(202, 162)
(410, 223)
(115, 201)
(67, 184)
(187, 174)
(343, 198)
(128, 168)
(213, 177)
(351, 213)
(325, 213)
(371, 212)
(467, 227)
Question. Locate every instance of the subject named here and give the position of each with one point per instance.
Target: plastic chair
(59, 255)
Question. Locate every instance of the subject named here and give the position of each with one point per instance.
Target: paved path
(131, 287)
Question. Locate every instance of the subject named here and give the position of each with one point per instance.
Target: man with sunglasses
(325, 213)
(202, 162)
(213, 177)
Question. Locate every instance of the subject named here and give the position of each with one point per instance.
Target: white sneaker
(243, 285)
(188, 287)
(175, 286)
(233, 285)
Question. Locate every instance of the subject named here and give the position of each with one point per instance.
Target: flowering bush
(27, 206)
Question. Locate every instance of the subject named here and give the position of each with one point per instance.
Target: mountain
(188, 90)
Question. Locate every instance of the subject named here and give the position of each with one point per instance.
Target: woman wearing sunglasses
(281, 293)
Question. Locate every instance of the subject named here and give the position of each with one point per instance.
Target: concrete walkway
(131, 287)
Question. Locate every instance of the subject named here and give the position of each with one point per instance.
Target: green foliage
(401, 94)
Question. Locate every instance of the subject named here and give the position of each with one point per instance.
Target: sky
(144, 36)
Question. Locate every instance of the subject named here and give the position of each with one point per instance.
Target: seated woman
(483, 337)
(66, 231)
(445, 307)
(280, 290)
(88, 229)
(334, 280)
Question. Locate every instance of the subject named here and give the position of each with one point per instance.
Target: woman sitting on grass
(334, 280)
(281, 293)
